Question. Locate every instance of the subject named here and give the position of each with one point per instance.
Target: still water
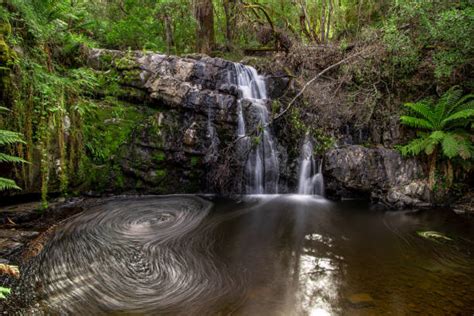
(260, 255)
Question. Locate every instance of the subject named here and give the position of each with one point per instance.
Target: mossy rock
(195, 161)
(126, 63)
(130, 77)
(159, 157)
(5, 29)
(6, 54)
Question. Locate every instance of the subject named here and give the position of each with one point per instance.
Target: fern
(443, 120)
(423, 108)
(416, 122)
(9, 137)
(9, 158)
(8, 184)
(461, 115)
(442, 125)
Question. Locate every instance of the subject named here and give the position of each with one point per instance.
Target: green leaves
(8, 184)
(416, 122)
(4, 291)
(9, 158)
(443, 120)
(9, 137)
(423, 109)
(464, 114)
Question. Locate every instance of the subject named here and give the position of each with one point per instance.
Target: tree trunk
(230, 21)
(323, 21)
(204, 14)
(432, 171)
(449, 174)
(169, 34)
(328, 23)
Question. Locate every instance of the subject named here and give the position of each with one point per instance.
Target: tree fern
(423, 109)
(444, 125)
(447, 102)
(416, 122)
(461, 115)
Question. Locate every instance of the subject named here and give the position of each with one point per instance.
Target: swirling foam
(145, 255)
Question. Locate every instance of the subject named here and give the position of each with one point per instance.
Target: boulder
(379, 173)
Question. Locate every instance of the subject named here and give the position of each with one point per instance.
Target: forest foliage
(52, 97)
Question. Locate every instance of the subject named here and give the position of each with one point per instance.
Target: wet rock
(190, 135)
(361, 300)
(181, 147)
(277, 84)
(465, 205)
(20, 213)
(17, 235)
(7, 247)
(380, 173)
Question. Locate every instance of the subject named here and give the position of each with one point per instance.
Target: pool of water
(260, 255)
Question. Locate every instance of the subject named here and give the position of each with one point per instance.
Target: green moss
(195, 161)
(107, 83)
(108, 127)
(5, 29)
(125, 62)
(129, 76)
(160, 174)
(106, 58)
(159, 156)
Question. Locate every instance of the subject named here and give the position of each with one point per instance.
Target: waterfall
(310, 179)
(262, 166)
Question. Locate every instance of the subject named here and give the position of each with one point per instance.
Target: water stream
(310, 178)
(256, 138)
(266, 255)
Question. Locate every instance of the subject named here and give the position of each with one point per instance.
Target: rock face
(379, 173)
(186, 146)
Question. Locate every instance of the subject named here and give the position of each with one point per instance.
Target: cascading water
(262, 166)
(310, 180)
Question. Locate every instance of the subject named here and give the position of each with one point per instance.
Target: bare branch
(314, 78)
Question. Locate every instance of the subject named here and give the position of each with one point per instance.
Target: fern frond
(423, 109)
(8, 184)
(414, 147)
(461, 115)
(9, 137)
(466, 148)
(437, 136)
(450, 146)
(12, 159)
(416, 122)
(431, 144)
(447, 102)
(466, 102)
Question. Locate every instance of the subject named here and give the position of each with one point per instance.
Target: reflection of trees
(315, 275)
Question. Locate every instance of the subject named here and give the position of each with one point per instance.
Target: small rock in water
(360, 300)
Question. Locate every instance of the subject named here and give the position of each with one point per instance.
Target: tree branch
(313, 79)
